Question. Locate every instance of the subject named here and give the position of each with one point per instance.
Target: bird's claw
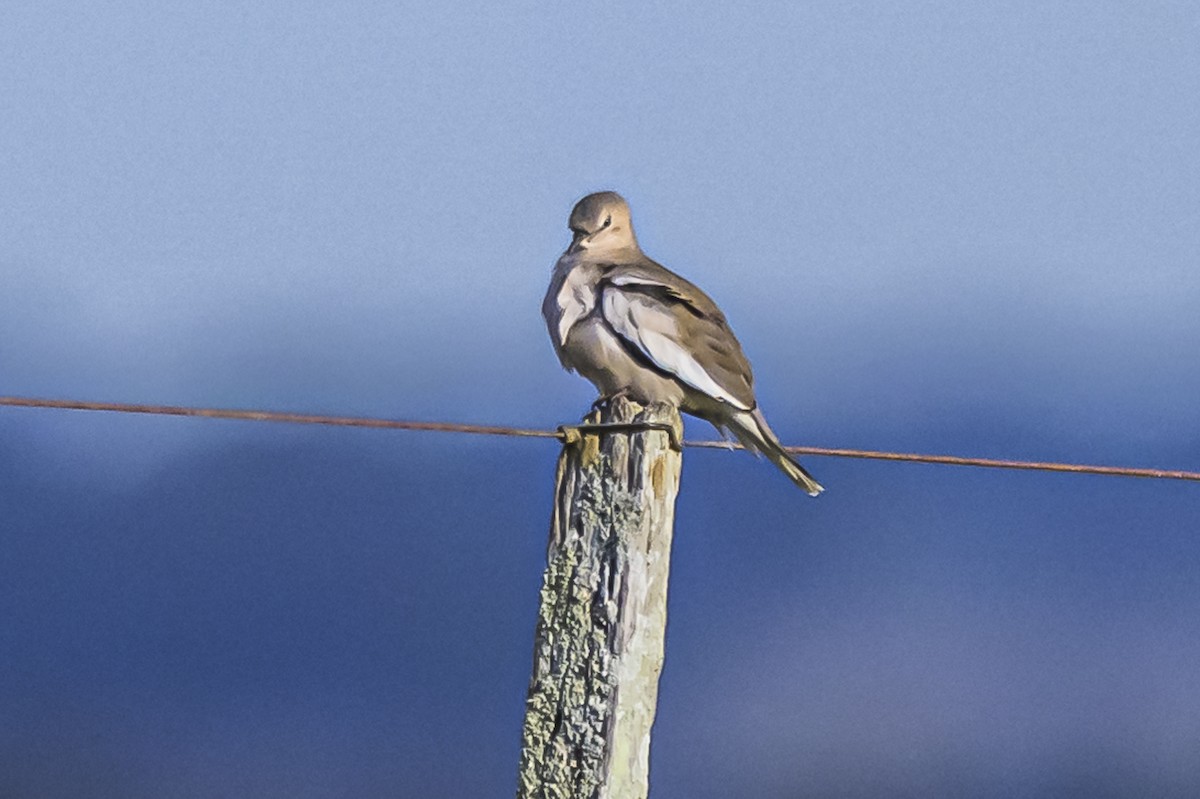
(606, 400)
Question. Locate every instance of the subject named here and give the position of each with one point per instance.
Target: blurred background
(936, 226)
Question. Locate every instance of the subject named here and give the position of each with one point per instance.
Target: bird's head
(600, 222)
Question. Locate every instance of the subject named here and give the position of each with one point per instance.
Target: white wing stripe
(630, 280)
(636, 322)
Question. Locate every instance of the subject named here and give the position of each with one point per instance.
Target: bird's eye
(608, 220)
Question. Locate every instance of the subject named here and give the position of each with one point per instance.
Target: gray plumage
(633, 327)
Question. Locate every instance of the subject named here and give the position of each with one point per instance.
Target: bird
(636, 329)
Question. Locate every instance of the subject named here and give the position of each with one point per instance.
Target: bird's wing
(679, 330)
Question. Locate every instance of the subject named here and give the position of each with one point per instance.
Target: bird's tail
(752, 430)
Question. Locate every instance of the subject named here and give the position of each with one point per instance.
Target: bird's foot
(606, 400)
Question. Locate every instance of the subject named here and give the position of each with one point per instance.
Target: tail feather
(752, 430)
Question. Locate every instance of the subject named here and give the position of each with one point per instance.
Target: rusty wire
(496, 430)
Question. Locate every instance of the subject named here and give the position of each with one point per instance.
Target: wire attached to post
(494, 430)
(573, 433)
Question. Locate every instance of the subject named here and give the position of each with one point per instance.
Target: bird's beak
(577, 242)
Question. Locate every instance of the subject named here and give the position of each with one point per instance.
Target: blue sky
(935, 227)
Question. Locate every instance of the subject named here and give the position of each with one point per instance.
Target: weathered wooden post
(598, 648)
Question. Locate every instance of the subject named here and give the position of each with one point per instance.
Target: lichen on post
(598, 648)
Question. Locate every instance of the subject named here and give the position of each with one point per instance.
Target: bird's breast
(571, 297)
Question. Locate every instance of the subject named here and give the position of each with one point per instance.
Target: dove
(634, 328)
